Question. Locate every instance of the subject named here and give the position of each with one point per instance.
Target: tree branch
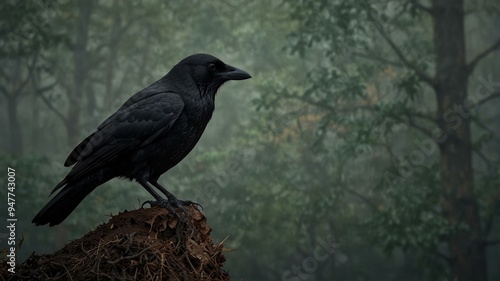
(420, 115)
(491, 218)
(3, 90)
(31, 68)
(46, 88)
(4, 75)
(441, 255)
(410, 121)
(418, 127)
(421, 74)
(377, 58)
(490, 97)
(480, 56)
(362, 197)
(411, 124)
(422, 7)
(53, 108)
(484, 158)
(483, 126)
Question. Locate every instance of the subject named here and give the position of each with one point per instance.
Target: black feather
(149, 134)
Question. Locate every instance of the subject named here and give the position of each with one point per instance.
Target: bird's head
(210, 73)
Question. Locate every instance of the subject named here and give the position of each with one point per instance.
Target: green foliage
(33, 181)
(312, 147)
(410, 218)
(370, 104)
(22, 28)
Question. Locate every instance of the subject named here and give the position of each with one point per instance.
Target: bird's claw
(188, 202)
(169, 204)
(150, 202)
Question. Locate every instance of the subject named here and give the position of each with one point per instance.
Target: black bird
(149, 134)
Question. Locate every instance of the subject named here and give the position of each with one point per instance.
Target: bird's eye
(212, 67)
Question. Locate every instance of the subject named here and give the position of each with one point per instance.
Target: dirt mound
(144, 244)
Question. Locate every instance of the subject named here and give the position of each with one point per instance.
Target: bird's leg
(159, 201)
(168, 203)
(163, 190)
(151, 191)
(170, 196)
(172, 199)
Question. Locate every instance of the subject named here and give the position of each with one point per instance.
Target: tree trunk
(15, 137)
(459, 206)
(80, 71)
(113, 51)
(80, 58)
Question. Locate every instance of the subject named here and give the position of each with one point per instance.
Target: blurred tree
(23, 37)
(90, 76)
(342, 146)
(352, 108)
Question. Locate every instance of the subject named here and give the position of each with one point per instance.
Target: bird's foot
(170, 204)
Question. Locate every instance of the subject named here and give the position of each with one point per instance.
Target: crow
(148, 135)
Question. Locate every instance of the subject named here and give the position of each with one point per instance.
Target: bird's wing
(123, 132)
(83, 148)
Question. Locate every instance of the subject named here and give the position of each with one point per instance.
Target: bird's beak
(233, 73)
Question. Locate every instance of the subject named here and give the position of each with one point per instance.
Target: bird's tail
(61, 205)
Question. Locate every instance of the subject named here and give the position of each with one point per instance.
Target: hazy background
(331, 144)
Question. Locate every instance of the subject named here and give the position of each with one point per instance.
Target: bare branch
(490, 97)
(31, 72)
(489, 223)
(377, 58)
(362, 197)
(484, 158)
(410, 116)
(3, 90)
(441, 255)
(421, 115)
(422, 7)
(483, 126)
(388, 147)
(483, 54)
(491, 217)
(421, 74)
(46, 88)
(412, 124)
(53, 108)
(418, 127)
(4, 75)
(31, 67)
